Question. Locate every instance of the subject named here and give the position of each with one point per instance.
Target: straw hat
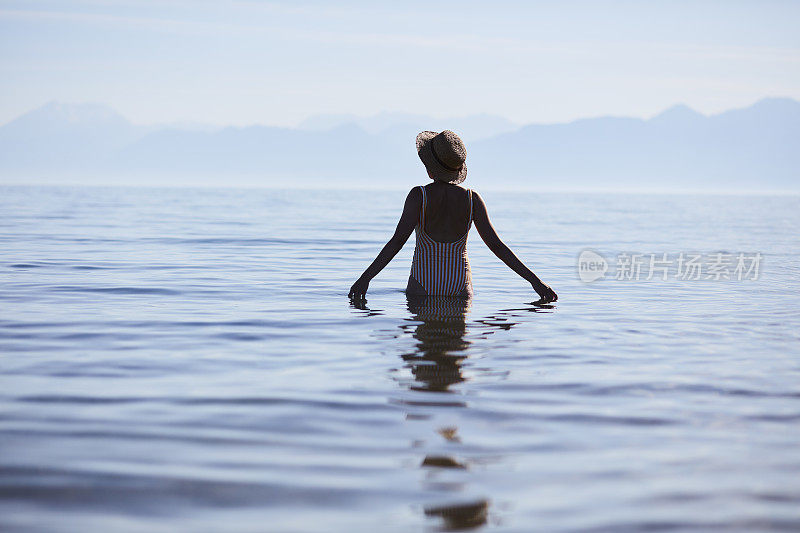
(443, 154)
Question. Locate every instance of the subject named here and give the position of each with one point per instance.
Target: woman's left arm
(407, 223)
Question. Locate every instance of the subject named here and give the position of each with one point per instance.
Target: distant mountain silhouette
(470, 128)
(750, 149)
(755, 148)
(62, 139)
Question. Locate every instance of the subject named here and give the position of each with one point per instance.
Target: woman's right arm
(481, 219)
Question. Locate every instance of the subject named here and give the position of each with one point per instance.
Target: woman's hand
(545, 292)
(359, 289)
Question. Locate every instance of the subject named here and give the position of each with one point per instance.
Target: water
(186, 360)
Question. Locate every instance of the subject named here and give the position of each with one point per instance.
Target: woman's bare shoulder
(414, 198)
(415, 193)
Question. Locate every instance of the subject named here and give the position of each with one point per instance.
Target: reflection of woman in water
(442, 213)
(436, 361)
(436, 364)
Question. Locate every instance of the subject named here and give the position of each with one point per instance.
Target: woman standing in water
(442, 213)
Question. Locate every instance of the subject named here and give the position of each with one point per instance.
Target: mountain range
(751, 149)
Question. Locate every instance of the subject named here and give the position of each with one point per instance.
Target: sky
(277, 63)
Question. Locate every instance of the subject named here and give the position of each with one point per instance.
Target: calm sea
(187, 360)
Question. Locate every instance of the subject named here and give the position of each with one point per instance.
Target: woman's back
(447, 213)
(440, 266)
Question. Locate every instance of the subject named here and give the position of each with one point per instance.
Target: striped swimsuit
(441, 268)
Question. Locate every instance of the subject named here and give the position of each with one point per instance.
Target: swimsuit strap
(424, 204)
(470, 205)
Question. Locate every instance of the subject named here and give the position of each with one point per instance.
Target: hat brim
(437, 171)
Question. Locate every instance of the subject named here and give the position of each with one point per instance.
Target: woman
(442, 214)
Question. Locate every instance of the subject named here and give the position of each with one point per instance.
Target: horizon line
(577, 190)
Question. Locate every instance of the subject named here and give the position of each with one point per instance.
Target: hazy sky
(244, 62)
